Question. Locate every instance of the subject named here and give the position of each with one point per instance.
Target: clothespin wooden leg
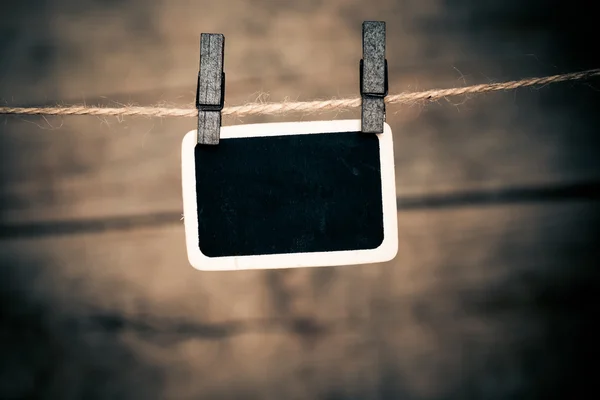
(210, 94)
(373, 77)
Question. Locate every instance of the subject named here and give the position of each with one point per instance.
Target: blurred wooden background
(484, 300)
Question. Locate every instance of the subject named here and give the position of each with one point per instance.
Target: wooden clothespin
(373, 77)
(210, 93)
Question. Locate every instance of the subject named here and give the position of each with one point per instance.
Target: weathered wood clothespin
(210, 93)
(373, 77)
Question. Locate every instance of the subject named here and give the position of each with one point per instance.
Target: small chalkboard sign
(285, 195)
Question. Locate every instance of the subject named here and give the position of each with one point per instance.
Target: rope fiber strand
(303, 106)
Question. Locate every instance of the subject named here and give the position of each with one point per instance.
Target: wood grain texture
(212, 47)
(489, 301)
(210, 88)
(374, 42)
(443, 300)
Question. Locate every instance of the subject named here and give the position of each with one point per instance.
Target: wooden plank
(467, 284)
(91, 168)
(479, 303)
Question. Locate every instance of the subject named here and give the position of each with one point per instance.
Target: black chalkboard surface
(289, 195)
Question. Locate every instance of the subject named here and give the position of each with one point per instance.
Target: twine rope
(408, 98)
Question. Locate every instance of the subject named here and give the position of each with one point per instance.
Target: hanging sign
(286, 195)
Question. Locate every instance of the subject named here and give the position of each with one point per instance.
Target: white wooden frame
(385, 252)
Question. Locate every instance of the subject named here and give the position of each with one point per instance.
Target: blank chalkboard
(286, 193)
(289, 194)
